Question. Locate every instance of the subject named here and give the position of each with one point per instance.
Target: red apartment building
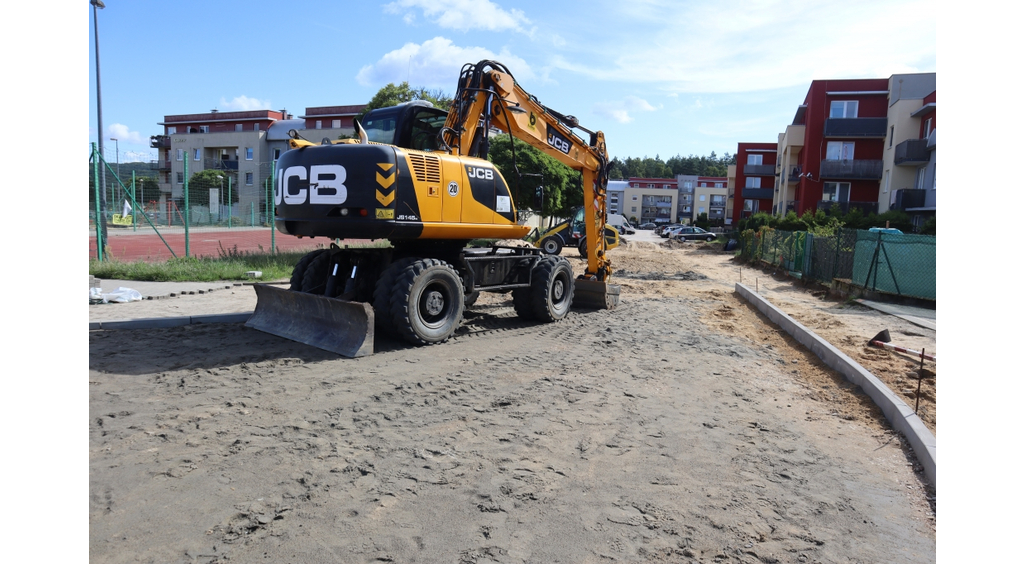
(755, 178)
(845, 127)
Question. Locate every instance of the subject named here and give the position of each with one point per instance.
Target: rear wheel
(314, 280)
(583, 247)
(383, 291)
(551, 245)
(551, 289)
(427, 302)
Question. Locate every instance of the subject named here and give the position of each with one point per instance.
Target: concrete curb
(165, 322)
(896, 411)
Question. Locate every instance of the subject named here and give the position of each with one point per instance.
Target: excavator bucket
(593, 294)
(330, 324)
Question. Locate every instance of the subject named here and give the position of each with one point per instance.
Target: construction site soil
(682, 426)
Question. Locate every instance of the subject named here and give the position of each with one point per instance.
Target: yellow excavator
(418, 178)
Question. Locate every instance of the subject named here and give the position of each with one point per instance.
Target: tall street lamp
(100, 221)
(117, 157)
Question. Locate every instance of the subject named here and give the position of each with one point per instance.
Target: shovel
(883, 339)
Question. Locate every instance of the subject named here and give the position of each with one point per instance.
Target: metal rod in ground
(920, 376)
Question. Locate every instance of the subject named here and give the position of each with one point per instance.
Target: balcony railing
(794, 174)
(759, 170)
(909, 198)
(159, 142)
(865, 208)
(758, 193)
(220, 164)
(853, 169)
(856, 127)
(162, 165)
(912, 152)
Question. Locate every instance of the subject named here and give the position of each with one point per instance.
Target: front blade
(339, 326)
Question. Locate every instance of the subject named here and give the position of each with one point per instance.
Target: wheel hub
(434, 302)
(558, 290)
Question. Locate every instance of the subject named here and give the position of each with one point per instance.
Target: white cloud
(762, 44)
(434, 64)
(243, 104)
(462, 15)
(620, 110)
(124, 136)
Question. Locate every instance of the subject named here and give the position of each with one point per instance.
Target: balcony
(162, 165)
(794, 174)
(159, 142)
(856, 127)
(912, 152)
(852, 170)
(865, 208)
(220, 164)
(758, 193)
(909, 198)
(759, 170)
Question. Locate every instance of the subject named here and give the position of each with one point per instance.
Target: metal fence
(211, 216)
(898, 264)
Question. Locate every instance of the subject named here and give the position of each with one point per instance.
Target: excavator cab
(412, 125)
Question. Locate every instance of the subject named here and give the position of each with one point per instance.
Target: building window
(753, 182)
(204, 129)
(181, 154)
(920, 178)
(634, 199)
(248, 179)
(927, 127)
(702, 197)
(703, 184)
(171, 130)
(750, 206)
(634, 209)
(319, 124)
(336, 124)
(248, 153)
(277, 154)
(255, 127)
(688, 184)
(836, 192)
(181, 178)
(238, 127)
(719, 185)
(755, 159)
(839, 151)
(197, 155)
(892, 131)
(843, 109)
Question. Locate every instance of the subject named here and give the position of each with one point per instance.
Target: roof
(278, 131)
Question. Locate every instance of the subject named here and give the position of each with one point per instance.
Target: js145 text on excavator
(418, 178)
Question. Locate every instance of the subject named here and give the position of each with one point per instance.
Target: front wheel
(428, 302)
(551, 289)
(583, 247)
(551, 245)
(710, 239)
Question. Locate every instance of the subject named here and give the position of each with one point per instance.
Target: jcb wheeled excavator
(418, 178)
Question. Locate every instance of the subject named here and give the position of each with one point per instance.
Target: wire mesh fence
(211, 213)
(892, 263)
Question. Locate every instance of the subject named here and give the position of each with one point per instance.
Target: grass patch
(229, 265)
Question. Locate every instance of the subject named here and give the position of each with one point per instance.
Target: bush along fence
(209, 202)
(898, 264)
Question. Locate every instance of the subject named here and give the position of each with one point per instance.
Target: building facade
(908, 182)
(687, 184)
(650, 200)
(755, 180)
(711, 197)
(241, 146)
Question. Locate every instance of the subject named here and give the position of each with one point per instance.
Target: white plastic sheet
(120, 295)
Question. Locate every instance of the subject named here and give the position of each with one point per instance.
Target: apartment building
(617, 196)
(687, 184)
(711, 197)
(650, 200)
(244, 145)
(908, 182)
(754, 179)
(845, 140)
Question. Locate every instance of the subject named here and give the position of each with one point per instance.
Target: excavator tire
(314, 280)
(427, 302)
(472, 297)
(551, 289)
(522, 303)
(382, 294)
(583, 247)
(295, 284)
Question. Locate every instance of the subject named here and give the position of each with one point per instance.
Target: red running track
(145, 245)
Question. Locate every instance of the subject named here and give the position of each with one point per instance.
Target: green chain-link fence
(903, 265)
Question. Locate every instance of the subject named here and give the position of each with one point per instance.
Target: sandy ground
(679, 427)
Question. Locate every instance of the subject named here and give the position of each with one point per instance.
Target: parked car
(692, 234)
(626, 228)
(647, 226)
(663, 230)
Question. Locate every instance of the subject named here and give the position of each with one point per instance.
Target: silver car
(692, 234)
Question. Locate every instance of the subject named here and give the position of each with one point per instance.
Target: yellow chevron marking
(385, 182)
(386, 166)
(385, 200)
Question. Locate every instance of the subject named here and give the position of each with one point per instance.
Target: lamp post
(100, 221)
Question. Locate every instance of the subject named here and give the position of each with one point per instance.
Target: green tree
(392, 95)
(561, 184)
(213, 178)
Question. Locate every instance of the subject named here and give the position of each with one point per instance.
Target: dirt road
(680, 427)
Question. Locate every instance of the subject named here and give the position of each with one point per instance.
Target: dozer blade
(592, 294)
(333, 325)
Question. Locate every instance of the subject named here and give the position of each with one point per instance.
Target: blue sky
(658, 77)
